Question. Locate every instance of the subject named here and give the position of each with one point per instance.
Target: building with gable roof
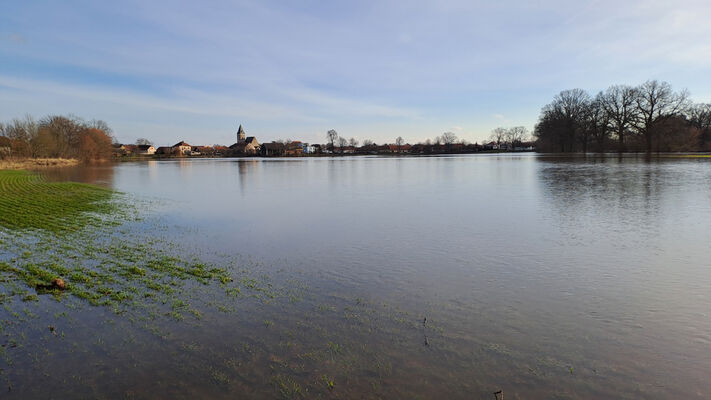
(246, 145)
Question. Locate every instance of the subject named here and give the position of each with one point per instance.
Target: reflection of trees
(619, 193)
(95, 174)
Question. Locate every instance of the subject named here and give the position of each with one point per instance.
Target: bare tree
(449, 138)
(619, 103)
(342, 143)
(332, 136)
(498, 135)
(64, 132)
(655, 103)
(573, 106)
(143, 142)
(562, 121)
(399, 142)
(101, 125)
(353, 142)
(58, 136)
(599, 121)
(699, 115)
(368, 142)
(515, 135)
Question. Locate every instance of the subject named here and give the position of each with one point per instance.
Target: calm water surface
(543, 276)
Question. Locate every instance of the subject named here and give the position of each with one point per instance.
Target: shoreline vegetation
(36, 163)
(52, 138)
(651, 117)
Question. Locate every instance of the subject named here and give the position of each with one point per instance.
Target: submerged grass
(27, 201)
(71, 231)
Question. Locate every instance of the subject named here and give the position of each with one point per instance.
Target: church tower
(241, 137)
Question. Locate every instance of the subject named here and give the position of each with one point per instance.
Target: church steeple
(241, 136)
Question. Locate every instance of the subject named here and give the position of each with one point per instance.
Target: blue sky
(189, 70)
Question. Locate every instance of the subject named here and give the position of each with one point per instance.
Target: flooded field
(360, 277)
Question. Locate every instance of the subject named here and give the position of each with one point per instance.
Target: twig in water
(424, 326)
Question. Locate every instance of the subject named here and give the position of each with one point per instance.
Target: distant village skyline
(240, 136)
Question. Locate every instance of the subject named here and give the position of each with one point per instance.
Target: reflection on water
(99, 175)
(547, 277)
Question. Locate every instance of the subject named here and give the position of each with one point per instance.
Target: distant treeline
(502, 139)
(56, 136)
(651, 117)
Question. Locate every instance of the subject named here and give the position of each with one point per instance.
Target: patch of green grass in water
(71, 230)
(28, 201)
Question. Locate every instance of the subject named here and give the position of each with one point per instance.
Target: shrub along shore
(33, 163)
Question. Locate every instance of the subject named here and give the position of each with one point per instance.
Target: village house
(221, 150)
(393, 148)
(146, 149)
(306, 148)
(246, 145)
(273, 149)
(203, 150)
(119, 149)
(491, 146)
(182, 148)
(164, 150)
(293, 149)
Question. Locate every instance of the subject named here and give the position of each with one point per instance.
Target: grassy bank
(33, 163)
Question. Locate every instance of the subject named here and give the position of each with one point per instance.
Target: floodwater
(418, 277)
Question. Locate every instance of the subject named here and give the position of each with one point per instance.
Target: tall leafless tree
(515, 135)
(619, 102)
(599, 121)
(332, 136)
(656, 102)
(572, 106)
(449, 138)
(398, 143)
(498, 135)
(699, 115)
